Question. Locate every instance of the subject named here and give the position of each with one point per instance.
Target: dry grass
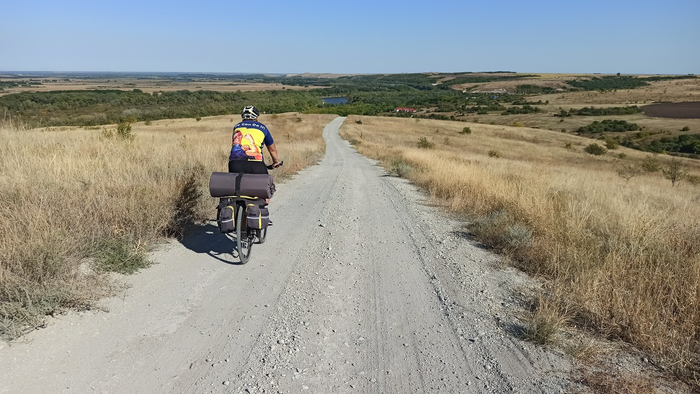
(673, 90)
(74, 203)
(548, 317)
(603, 383)
(626, 253)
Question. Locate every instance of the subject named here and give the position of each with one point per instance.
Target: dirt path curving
(361, 287)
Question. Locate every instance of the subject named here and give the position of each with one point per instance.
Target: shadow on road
(467, 235)
(207, 239)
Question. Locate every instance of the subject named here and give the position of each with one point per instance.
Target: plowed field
(690, 110)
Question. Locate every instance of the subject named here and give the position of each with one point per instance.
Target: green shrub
(500, 231)
(610, 111)
(124, 131)
(107, 133)
(466, 130)
(608, 125)
(517, 237)
(686, 128)
(595, 149)
(684, 143)
(651, 164)
(693, 179)
(629, 171)
(401, 168)
(608, 83)
(490, 229)
(525, 109)
(547, 320)
(425, 144)
(563, 113)
(611, 143)
(119, 254)
(494, 153)
(674, 172)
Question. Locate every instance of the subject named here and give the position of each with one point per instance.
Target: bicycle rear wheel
(263, 235)
(243, 242)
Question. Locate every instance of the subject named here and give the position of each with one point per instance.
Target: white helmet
(250, 112)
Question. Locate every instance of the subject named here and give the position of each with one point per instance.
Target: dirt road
(361, 287)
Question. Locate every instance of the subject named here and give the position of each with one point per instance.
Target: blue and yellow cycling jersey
(249, 137)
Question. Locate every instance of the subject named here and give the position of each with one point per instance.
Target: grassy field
(675, 91)
(76, 203)
(621, 256)
(650, 128)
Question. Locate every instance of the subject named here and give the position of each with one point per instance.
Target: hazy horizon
(155, 73)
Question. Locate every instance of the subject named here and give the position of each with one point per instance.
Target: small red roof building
(402, 109)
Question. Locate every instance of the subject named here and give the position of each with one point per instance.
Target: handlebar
(271, 167)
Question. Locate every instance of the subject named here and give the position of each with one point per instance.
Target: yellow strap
(245, 197)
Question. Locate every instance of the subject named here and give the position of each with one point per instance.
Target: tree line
(615, 82)
(97, 107)
(617, 126)
(687, 144)
(593, 111)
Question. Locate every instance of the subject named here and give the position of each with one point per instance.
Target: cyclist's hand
(275, 165)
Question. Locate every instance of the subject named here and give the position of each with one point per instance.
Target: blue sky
(660, 37)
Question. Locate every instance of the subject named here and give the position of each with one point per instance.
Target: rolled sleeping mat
(223, 184)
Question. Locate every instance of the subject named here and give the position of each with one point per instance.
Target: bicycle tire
(243, 242)
(263, 235)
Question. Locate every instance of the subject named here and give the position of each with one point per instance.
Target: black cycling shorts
(247, 167)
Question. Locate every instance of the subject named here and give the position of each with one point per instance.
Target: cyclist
(249, 137)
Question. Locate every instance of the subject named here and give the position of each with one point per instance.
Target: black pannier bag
(225, 215)
(257, 217)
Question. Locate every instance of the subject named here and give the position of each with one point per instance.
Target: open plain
(145, 84)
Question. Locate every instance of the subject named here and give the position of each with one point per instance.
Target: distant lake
(335, 100)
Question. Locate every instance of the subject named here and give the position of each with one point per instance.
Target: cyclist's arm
(273, 153)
